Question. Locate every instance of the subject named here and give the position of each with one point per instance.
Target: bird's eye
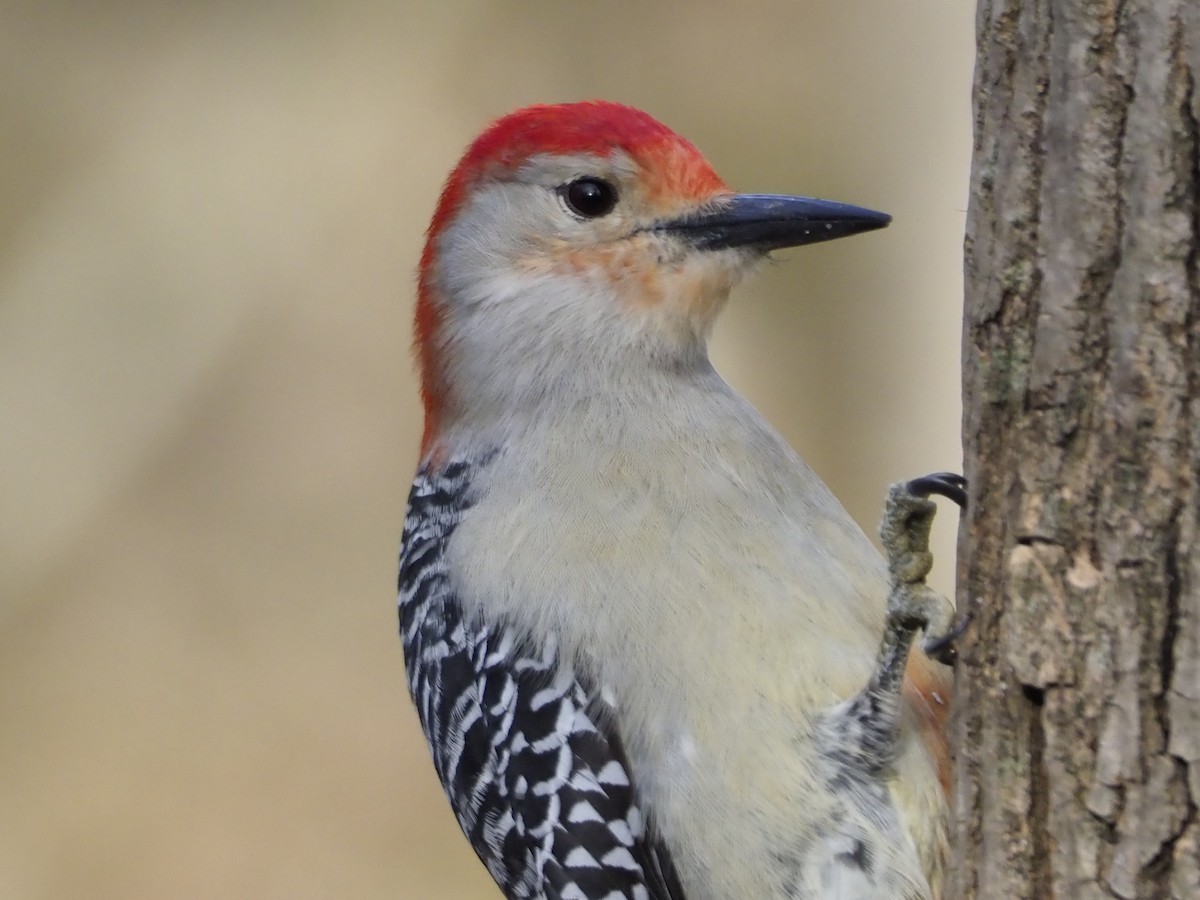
(589, 197)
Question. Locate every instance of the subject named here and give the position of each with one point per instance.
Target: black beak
(770, 221)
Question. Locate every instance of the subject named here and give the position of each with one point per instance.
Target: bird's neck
(536, 356)
(580, 403)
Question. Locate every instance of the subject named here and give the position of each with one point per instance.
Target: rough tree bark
(1078, 711)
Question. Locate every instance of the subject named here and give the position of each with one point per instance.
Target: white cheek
(498, 287)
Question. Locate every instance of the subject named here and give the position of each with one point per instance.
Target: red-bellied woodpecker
(642, 636)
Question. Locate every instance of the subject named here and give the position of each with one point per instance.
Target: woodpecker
(652, 654)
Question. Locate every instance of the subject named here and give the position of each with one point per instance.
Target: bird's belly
(719, 617)
(753, 809)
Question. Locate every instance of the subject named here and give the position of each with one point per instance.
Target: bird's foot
(912, 604)
(868, 724)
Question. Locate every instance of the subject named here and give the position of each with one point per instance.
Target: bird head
(577, 244)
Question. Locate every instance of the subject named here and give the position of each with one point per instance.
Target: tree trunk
(1078, 711)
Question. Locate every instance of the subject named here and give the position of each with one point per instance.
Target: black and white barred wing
(539, 785)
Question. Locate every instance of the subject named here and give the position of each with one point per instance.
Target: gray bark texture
(1077, 724)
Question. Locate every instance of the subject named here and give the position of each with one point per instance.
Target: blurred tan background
(210, 218)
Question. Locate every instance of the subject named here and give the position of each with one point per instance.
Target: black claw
(942, 648)
(946, 484)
